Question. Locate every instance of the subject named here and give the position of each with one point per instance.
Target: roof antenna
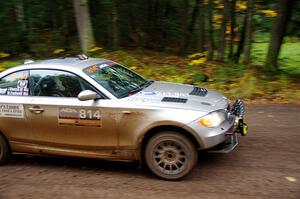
(82, 57)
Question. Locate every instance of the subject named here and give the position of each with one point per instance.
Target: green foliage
(289, 58)
(8, 64)
(198, 78)
(42, 29)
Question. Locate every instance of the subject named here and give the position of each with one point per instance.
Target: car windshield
(117, 79)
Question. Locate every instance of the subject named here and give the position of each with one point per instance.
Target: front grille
(174, 99)
(199, 91)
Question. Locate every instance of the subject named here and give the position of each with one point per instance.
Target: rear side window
(15, 84)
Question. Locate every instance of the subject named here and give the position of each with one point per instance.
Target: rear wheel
(170, 155)
(4, 150)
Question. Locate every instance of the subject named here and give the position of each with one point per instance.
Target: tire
(170, 155)
(4, 150)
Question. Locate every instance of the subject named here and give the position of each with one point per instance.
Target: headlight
(213, 119)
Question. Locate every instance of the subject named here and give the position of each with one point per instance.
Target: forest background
(243, 48)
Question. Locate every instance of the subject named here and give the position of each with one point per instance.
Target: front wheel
(170, 155)
(4, 150)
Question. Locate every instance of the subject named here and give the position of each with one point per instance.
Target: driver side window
(55, 83)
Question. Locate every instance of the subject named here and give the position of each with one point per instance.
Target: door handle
(36, 109)
(126, 112)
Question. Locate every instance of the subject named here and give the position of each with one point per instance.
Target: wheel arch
(4, 137)
(155, 130)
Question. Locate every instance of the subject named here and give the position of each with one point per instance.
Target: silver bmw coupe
(96, 108)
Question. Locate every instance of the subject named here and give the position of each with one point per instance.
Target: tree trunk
(191, 27)
(114, 25)
(210, 32)
(20, 19)
(201, 32)
(222, 42)
(66, 21)
(84, 25)
(239, 51)
(232, 26)
(198, 13)
(277, 36)
(248, 32)
(184, 22)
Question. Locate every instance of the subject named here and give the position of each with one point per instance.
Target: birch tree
(84, 25)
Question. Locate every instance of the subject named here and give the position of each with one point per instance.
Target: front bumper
(224, 138)
(239, 127)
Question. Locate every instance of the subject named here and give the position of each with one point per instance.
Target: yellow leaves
(218, 4)
(216, 25)
(2, 68)
(4, 55)
(269, 13)
(217, 20)
(228, 28)
(200, 61)
(133, 68)
(95, 49)
(195, 55)
(197, 59)
(236, 29)
(59, 50)
(241, 5)
(236, 39)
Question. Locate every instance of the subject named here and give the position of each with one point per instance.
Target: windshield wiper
(148, 83)
(140, 88)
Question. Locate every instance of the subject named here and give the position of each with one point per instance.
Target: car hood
(157, 91)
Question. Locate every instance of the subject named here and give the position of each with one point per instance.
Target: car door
(14, 122)
(59, 119)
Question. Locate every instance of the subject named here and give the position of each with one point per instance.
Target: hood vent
(174, 99)
(199, 91)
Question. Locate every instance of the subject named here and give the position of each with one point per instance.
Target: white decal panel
(12, 110)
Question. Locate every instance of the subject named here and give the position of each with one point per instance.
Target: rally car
(96, 108)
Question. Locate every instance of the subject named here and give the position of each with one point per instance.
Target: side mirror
(87, 95)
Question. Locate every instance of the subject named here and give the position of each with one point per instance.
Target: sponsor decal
(22, 84)
(148, 92)
(3, 91)
(92, 69)
(103, 65)
(12, 110)
(79, 117)
(18, 91)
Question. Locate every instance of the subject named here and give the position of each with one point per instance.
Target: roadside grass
(233, 80)
(289, 57)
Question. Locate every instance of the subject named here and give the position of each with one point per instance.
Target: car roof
(65, 63)
(70, 61)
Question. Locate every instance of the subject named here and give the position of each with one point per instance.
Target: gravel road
(266, 164)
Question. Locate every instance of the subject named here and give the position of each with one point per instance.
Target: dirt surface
(266, 164)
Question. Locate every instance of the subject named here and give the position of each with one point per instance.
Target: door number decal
(80, 117)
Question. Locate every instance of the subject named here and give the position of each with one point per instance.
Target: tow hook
(242, 127)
